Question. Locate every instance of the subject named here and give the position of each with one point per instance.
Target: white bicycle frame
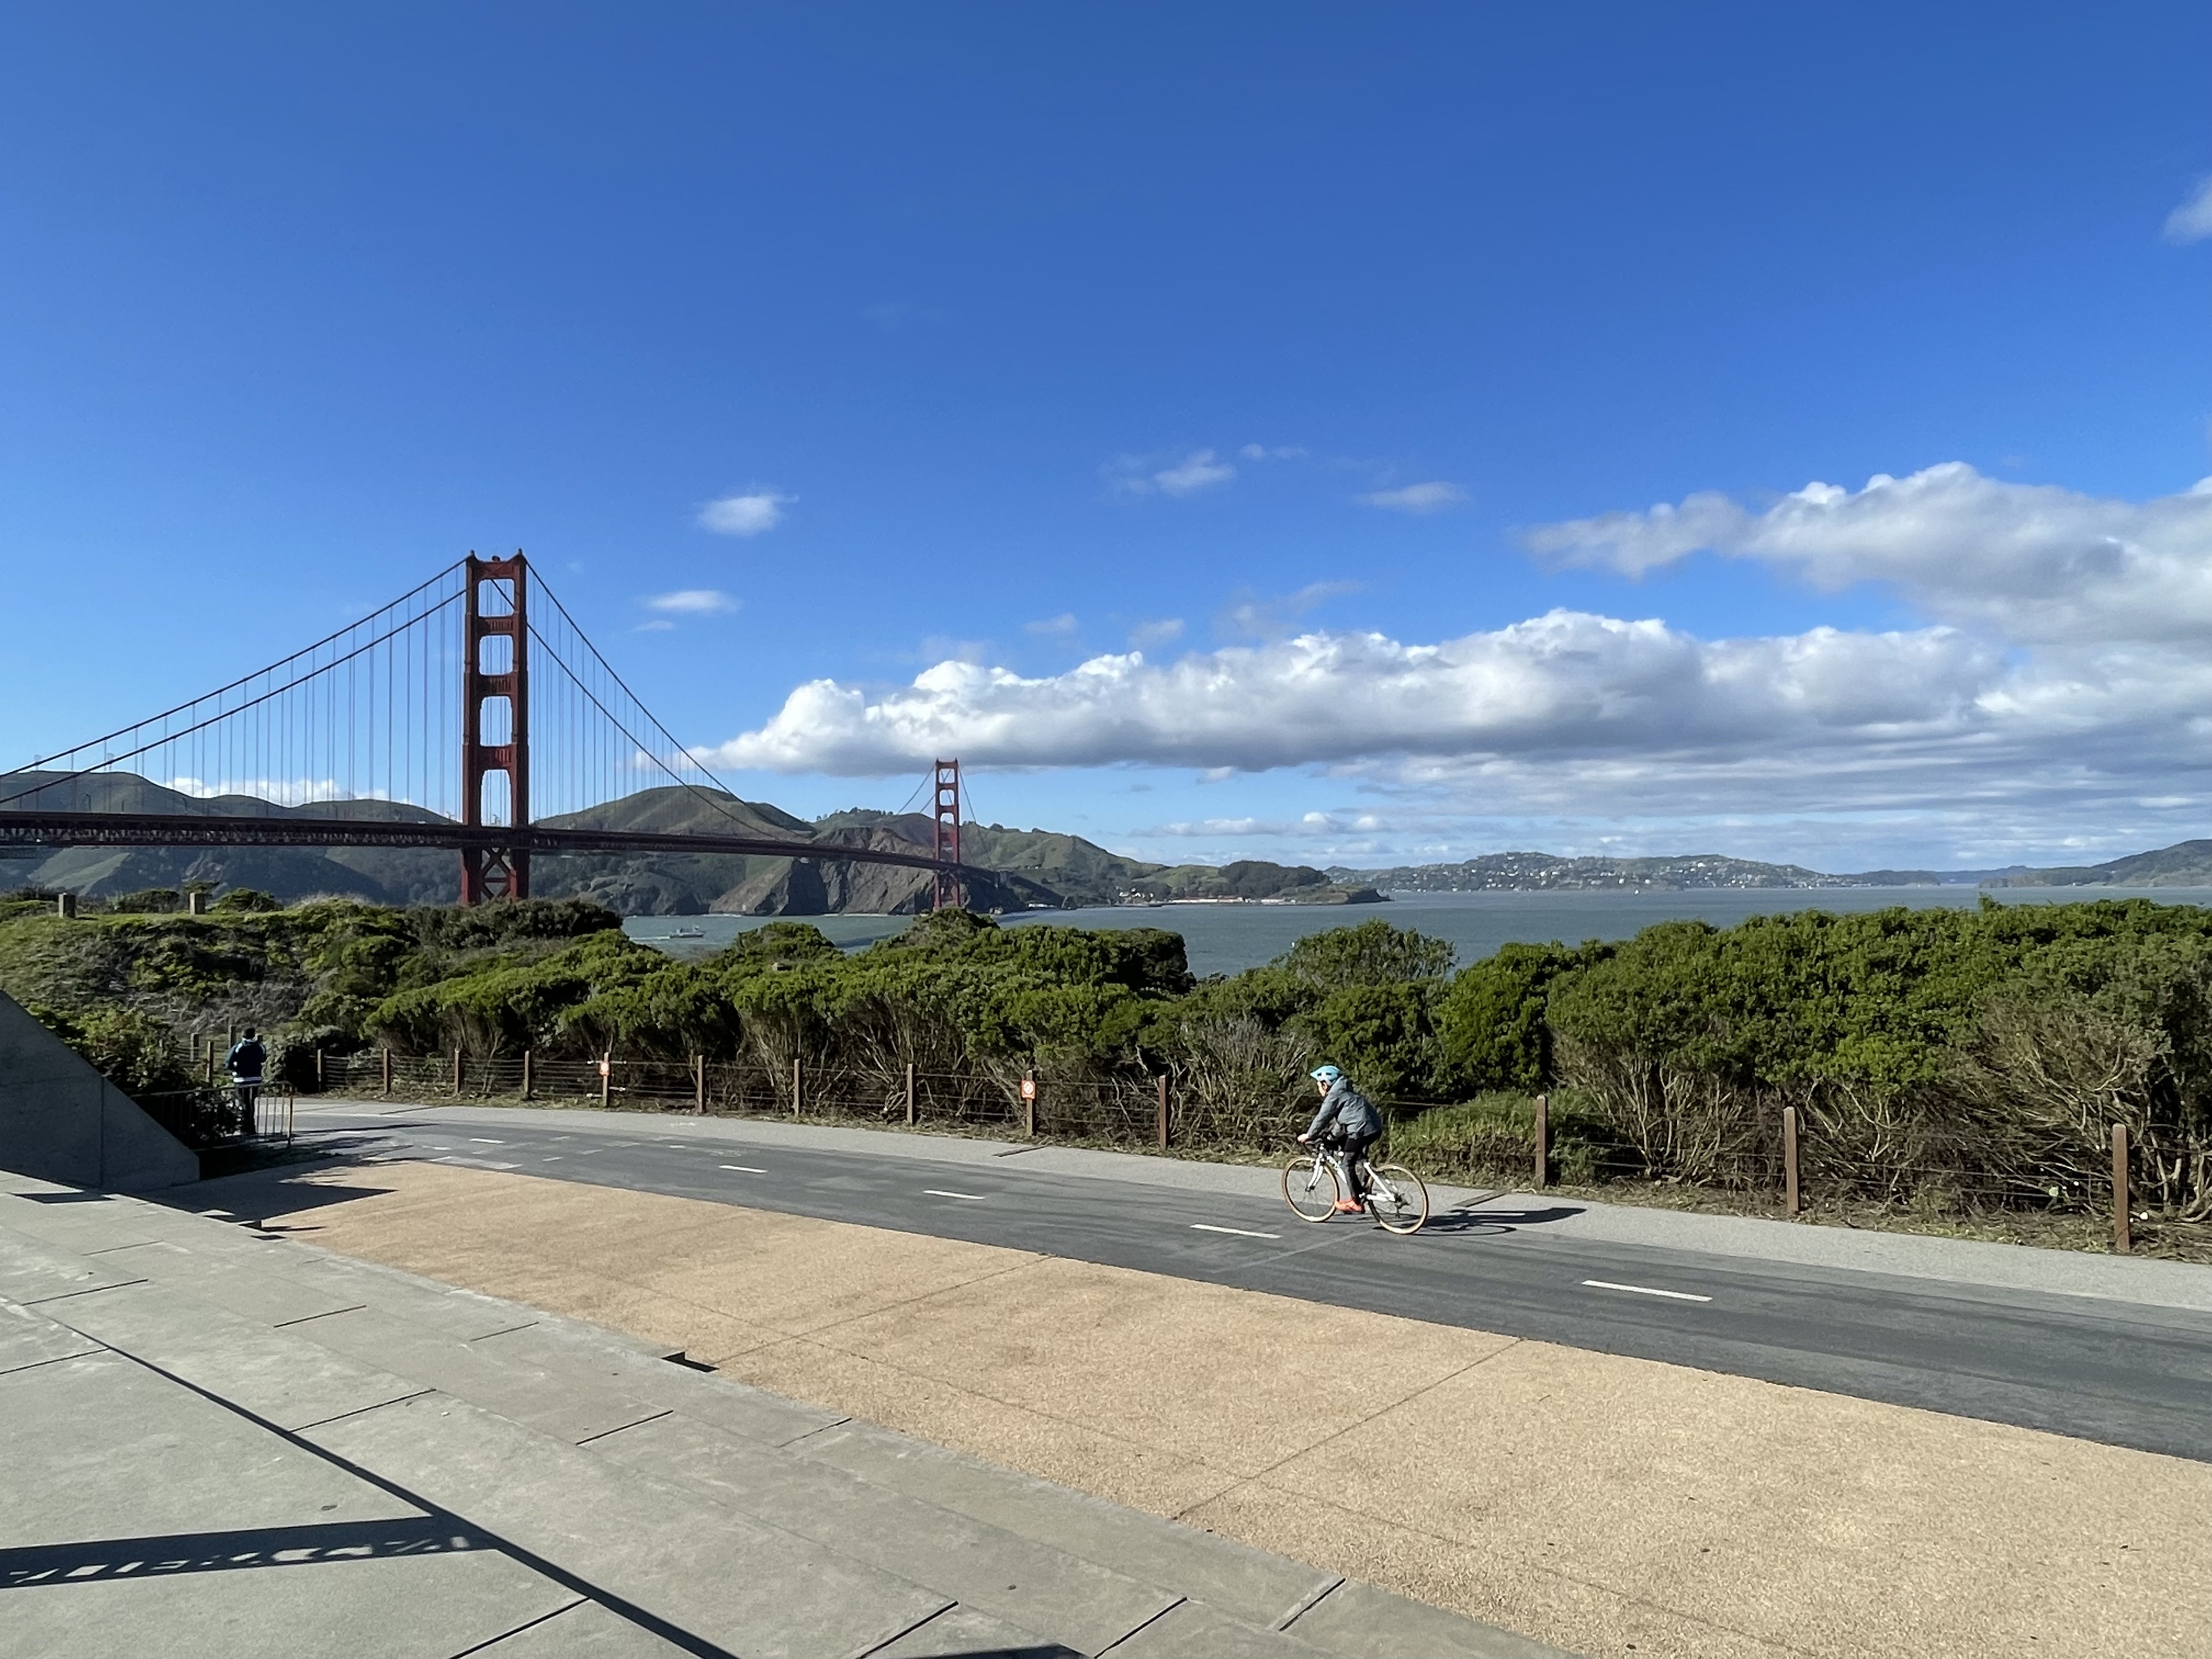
(1371, 1183)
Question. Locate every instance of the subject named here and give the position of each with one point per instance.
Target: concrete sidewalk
(1616, 1506)
(1956, 1261)
(213, 1441)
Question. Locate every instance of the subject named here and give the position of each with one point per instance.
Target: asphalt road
(2122, 1373)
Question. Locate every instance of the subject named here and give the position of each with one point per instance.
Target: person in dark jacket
(1350, 1118)
(244, 1063)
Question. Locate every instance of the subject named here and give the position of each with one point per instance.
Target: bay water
(1226, 939)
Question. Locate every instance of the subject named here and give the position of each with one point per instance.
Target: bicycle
(1395, 1196)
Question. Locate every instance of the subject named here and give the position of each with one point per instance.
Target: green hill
(2184, 864)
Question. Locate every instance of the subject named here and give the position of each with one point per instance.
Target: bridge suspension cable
(354, 741)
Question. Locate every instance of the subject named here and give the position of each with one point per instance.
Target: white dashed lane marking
(1241, 1233)
(1644, 1289)
(938, 1192)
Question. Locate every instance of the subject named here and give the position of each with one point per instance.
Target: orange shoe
(1345, 1207)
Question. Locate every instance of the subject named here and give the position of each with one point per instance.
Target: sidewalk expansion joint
(1308, 1603)
(94, 1290)
(1123, 1641)
(327, 1313)
(528, 1625)
(623, 1428)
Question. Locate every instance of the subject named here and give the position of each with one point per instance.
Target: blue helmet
(1324, 1074)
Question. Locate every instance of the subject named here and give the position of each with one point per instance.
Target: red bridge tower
(495, 735)
(947, 843)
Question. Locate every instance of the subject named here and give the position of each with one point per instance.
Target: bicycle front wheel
(1396, 1197)
(1309, 1188)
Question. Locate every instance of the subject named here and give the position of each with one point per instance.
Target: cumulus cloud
(1562, 683)
(692, 602)
(2192, 220)
(2034, 563)
(747, 514)
(2055, 688)
(1417, 498)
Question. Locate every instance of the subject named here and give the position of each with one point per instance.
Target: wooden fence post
(528, 1080)
(387, 1070)
(1029, 1106)
(909, 1094)
(318, 1071)
(210, 1065)
(798, 1089)
(2121, 1240)
(699, 1084)
(1543, 1142)
(606, 1079)
(1789, 1159)
(457, 1071)
(1160, 1118)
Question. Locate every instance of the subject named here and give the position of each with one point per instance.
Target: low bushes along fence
(1498, 1146)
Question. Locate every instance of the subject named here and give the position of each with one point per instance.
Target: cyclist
(244, 1063)
(1350, 1119)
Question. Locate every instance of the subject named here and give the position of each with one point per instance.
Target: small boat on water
(688, 933)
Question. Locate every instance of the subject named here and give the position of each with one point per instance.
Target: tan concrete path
(1614, 1506)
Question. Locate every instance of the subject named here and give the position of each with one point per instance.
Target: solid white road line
(1241, 1233)
(1644, 1289)
(938, 1192)
(745, 1169)
(478, 1140)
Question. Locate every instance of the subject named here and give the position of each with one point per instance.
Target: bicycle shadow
(1474, 1220)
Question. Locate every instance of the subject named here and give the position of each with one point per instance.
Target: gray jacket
(1350, 1113)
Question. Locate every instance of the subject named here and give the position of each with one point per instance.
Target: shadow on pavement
(284, 1189)
(107, 1559)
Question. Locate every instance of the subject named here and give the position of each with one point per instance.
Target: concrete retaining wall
(61, 1121)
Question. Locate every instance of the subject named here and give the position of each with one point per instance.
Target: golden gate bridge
(463, 715)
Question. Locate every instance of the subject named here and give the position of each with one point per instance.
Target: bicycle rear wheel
(1397, 1198)
(1309, 1188)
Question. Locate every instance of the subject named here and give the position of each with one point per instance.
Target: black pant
(1354, 1148)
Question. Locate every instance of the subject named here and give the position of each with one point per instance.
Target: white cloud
(2192, 220)
(1216, 827)
(657, 625)
(1251, 616)
(1417, 498)
(2032, 563)
(2056, 699)
(1139, 475)
(1061, 626)
(1146, 634)
(1198, 470)
(692, 602)
(747, 514)
(1561, 683)
(1280, 453)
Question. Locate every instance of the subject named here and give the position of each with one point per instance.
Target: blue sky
(1330, 358)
